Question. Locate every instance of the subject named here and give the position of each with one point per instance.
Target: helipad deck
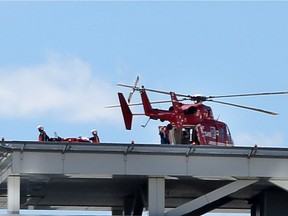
(165, 179)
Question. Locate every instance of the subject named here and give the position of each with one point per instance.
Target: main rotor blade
(249, 94)
(245, 107)
(204, 98)
(151, 90)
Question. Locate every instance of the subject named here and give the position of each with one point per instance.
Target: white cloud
(274, 139)
(61, 88)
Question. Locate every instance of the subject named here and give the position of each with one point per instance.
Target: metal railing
(8, 147)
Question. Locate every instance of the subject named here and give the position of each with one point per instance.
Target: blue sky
(60, 63)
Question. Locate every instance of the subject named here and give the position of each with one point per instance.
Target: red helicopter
(188, 123)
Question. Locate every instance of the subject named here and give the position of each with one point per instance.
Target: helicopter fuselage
(194, 119)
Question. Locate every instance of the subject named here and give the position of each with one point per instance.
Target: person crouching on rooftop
(95, 138)
(43, 137)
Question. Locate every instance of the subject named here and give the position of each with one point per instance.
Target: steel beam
(280, 183)
(209, 198)
(155, 161)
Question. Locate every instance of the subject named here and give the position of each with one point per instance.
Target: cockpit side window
(213, 132)
(221, 133)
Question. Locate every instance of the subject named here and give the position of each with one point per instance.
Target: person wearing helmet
(95, 138)
(43, 137)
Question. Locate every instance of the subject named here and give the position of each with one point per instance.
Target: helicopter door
(177, 135)
(188, 135)
(195, 136)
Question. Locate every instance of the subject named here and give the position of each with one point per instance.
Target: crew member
(163, 135)
(43, 137)
(95, 138)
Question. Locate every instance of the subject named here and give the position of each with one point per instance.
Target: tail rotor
(133, 90)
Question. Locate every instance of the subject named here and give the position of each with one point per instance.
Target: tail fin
(127, 114)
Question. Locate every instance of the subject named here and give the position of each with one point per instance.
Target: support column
(13, 194)
(156, 196)
(270, 202)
